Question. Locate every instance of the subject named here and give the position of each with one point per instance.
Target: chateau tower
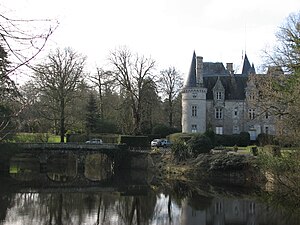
(194, 99)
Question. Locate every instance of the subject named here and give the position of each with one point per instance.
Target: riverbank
(228, 168)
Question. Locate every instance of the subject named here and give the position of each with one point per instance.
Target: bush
(180, 150)
(273, 150)
(265, 139)
(199, 144)
(211, 135)
(162, 130)
(134, 141)
(180, 137)
(242, 139)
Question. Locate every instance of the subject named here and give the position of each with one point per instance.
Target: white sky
(167, 30)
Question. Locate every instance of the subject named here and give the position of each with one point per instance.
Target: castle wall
(232, 121)
(194, 97)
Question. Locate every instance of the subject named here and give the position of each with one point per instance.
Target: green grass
(35, 138)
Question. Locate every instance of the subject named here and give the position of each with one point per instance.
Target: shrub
(199, 144)
(162, 130)
(265, 139)
(180, 150)
(134, 141)
(273, 150)
(242, 139)
(211, 135)
(180, 137)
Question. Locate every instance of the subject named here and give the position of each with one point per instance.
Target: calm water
(57, 193)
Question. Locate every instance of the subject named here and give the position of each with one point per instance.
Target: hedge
(134, 141)
(106, 138)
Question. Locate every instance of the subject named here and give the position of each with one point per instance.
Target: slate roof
(247, 68)
(234, 86)
(213, 69)
(191, 79)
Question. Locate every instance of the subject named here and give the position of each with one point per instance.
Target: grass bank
(35, 138)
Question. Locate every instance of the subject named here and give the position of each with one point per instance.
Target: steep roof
(191, 79)
(213, 69)
(234, 86)
(247, 68)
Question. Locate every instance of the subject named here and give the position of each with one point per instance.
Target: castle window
(219, 95)
(194, 111)
(235, 112)
(218, 113)
(267, 115)
(251, 114)
(267, 130)
(219, 130)
(251, 96)
(194, 128)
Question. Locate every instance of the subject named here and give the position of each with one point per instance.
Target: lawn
(35, 138)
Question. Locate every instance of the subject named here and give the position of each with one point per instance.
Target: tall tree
(58, 78)
(24, 44)
(131, 72)
(279, 92)
(104, 82)
(92, 115)
(170, 83)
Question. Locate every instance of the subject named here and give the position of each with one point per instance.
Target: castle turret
(194, 99)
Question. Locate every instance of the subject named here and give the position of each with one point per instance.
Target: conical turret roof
(247, 68)
(191, 79)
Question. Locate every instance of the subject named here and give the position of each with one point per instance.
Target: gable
(234, 86)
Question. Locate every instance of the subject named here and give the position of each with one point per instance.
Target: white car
(94, 141)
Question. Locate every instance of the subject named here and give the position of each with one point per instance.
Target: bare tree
(22, 40)
(58, 78)
(131, 73)
(170, 83)
(103, 81)
(286, 52)
(279, 92)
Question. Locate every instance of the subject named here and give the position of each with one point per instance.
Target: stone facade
(215, 97)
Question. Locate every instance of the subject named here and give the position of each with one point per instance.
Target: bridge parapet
(70, 146)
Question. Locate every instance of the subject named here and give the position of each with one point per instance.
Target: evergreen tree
(92, 116)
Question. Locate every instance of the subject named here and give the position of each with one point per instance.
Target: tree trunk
(170, 113)
(62, 121)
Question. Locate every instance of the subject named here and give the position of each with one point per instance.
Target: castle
(215, 97)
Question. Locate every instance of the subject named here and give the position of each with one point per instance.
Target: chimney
(229, 67)
(199, 71)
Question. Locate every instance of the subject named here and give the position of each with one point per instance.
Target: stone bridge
(120, 155)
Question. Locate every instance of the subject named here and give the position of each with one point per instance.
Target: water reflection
(64, 195)
(24, 167)
(98, 167)
(62, 168)
(152, 208)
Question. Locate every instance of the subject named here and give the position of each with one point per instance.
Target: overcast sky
(167, 30)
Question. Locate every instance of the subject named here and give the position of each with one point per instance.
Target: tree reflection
(98, 167)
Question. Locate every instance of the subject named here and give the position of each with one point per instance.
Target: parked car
(94, 141)
(160, 143)
(155, 143)
(165, 143)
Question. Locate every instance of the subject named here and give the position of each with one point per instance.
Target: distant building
(217, 98)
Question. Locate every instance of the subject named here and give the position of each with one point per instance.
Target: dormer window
(251, 114)
(219, 95)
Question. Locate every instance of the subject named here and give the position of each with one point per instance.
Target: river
(60, 194)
